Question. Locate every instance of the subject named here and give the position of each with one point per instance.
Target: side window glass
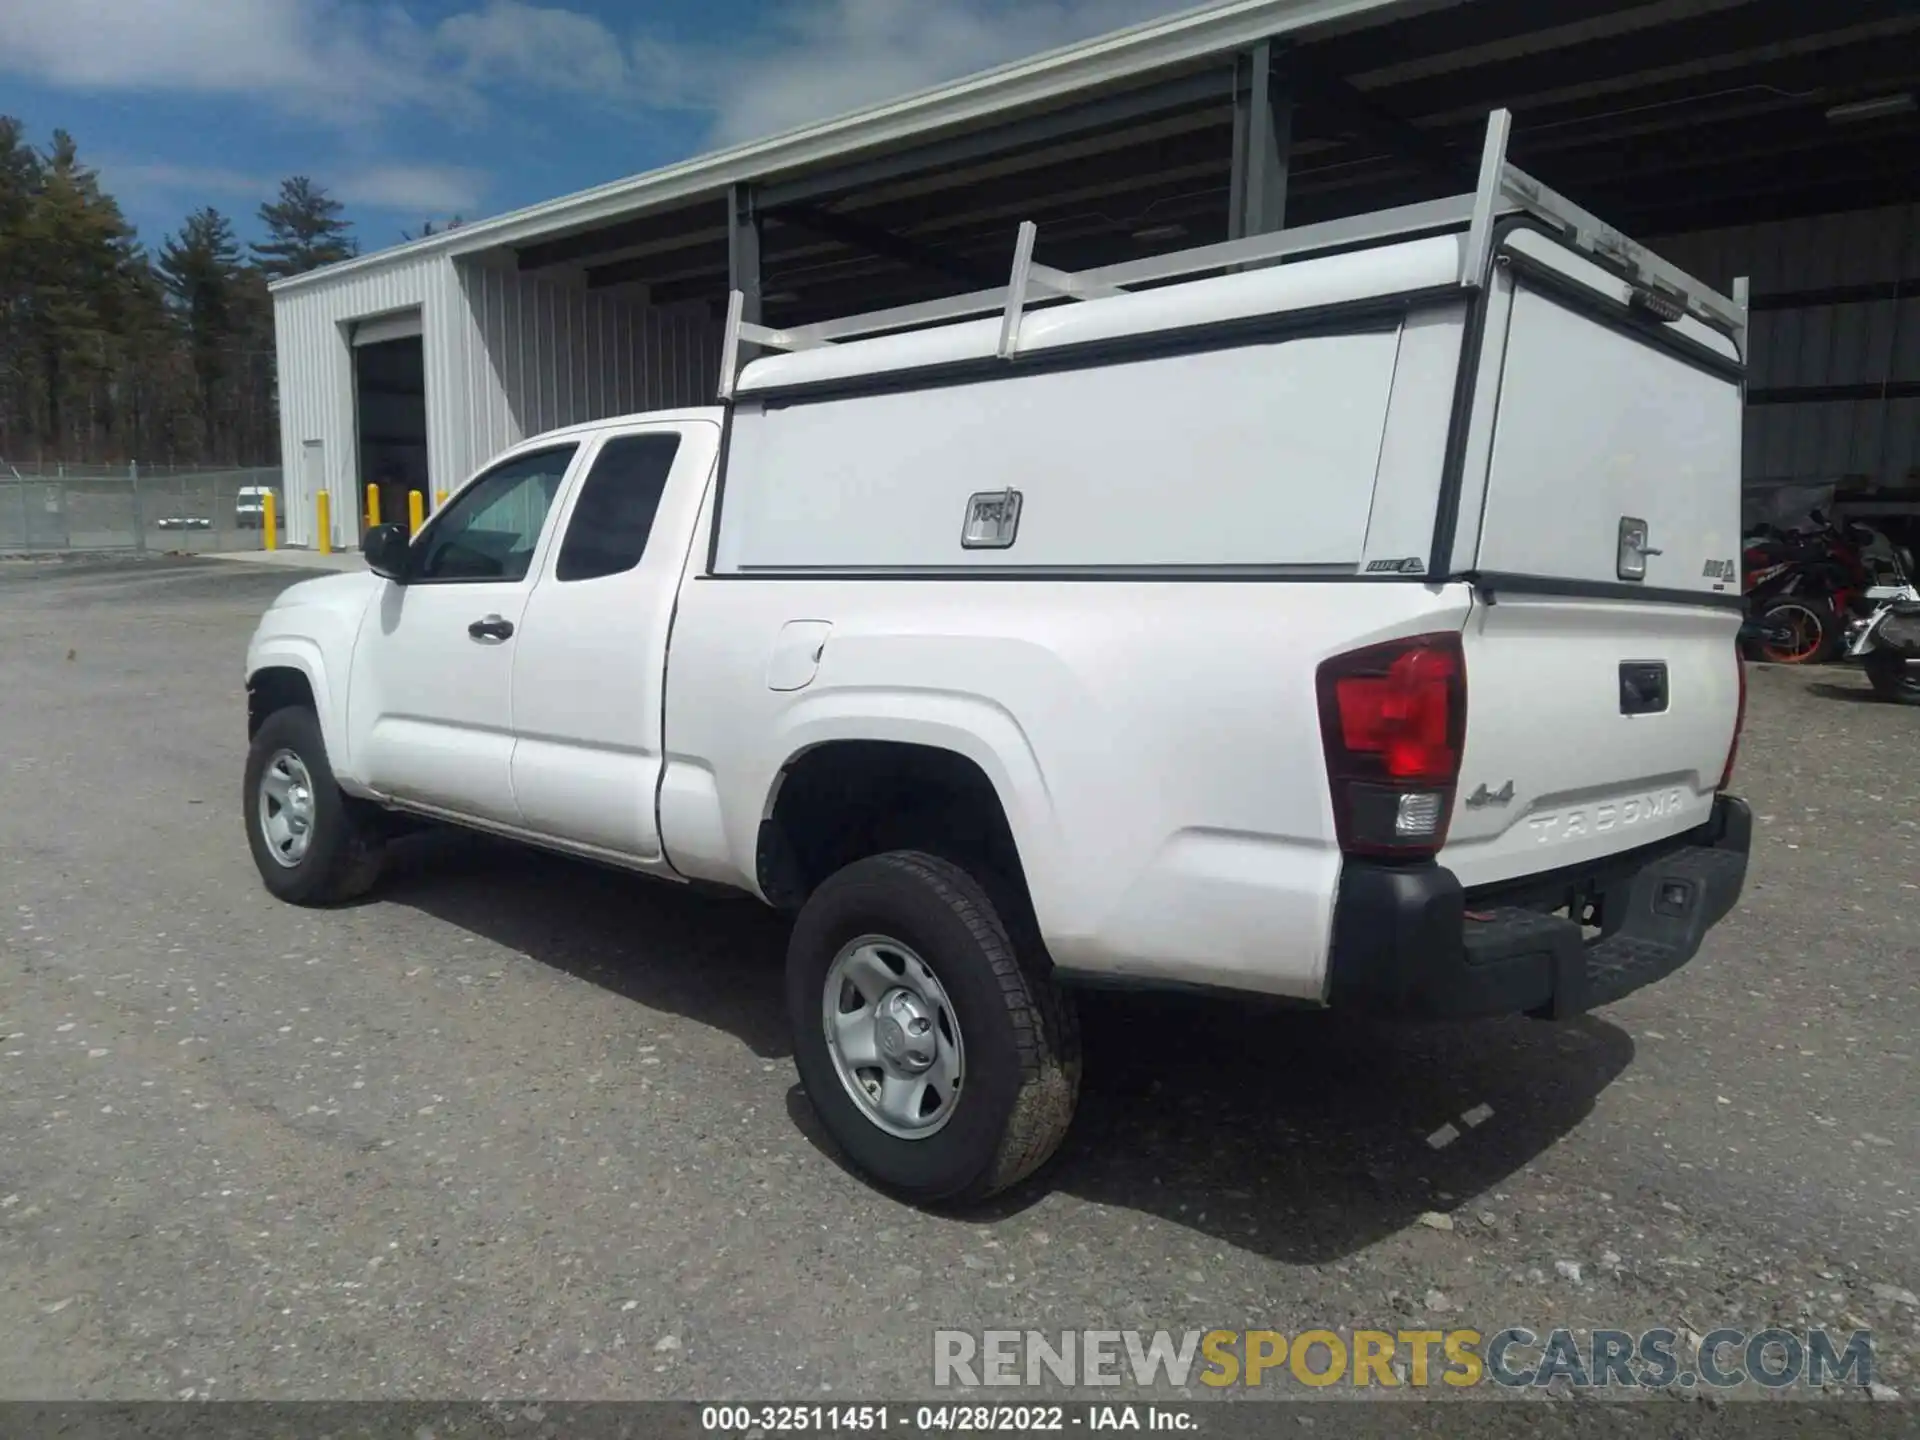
(607, 532)
(490, 530)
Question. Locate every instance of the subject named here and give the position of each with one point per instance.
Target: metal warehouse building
(1771, 138)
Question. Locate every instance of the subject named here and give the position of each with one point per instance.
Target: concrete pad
(292, 558)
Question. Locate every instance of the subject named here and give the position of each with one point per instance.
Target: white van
(250, 507)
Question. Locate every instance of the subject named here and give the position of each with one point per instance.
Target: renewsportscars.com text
(1515, 1356)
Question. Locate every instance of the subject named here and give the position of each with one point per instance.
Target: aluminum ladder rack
(1503, 189)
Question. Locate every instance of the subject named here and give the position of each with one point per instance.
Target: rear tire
(312, 844)
(942, 953)
(1815, 628)
(1894, 676)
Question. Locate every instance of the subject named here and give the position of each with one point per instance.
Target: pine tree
(154, 379)
(80, 259)
(200, 268)
(109, 354)
(257, 420)
(304, 230)
(19, 186)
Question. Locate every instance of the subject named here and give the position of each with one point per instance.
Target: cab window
(490, 530)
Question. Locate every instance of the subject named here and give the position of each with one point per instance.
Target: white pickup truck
(1356, 630)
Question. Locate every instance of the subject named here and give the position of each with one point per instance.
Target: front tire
(945, 1063)
(312, 844)
(1894, 676)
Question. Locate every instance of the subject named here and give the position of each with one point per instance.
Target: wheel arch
(849, 789)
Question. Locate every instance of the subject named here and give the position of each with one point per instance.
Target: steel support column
(1262, 136)
(743, 251)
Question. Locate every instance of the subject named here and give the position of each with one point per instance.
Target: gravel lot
(520, 1126)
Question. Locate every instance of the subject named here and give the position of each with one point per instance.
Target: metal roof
(1660, 116)
(1156, 45)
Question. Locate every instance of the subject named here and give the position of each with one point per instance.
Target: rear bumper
(1409, 941)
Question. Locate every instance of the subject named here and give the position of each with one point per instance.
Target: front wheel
(945, 1063)
(312, 844)
(1894, 676)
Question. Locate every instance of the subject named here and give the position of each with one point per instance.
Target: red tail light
(1739, 720)
(1393, 719)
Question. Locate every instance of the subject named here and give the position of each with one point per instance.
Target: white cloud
(413, 190)
(410, 191)
(349, 62)
(816, 58)
(144, 178)
(327, 58)
(825, 57)
(356, 65)
(508, 41)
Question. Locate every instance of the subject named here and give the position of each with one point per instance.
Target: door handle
(493, 627)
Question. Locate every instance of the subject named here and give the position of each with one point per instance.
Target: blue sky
(415, 109)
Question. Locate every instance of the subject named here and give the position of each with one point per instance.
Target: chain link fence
(46, 508)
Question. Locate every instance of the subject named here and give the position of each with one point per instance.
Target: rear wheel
(312, 844)
(942, 1060)
(1894, 676)
(1798, 631)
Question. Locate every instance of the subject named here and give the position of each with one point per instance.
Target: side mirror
(386, 549)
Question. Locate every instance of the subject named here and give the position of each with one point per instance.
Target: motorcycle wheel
(1894, 676)
(1811, 632)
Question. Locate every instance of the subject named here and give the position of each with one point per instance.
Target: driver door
(428, 707)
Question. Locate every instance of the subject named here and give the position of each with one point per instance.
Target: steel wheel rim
(286, 808)
(893, 1037)
(1807, 629)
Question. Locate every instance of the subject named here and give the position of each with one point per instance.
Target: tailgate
(1602, 679)
(1555, 771)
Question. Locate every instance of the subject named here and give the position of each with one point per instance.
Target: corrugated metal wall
(1835, 353)
(546, 355)
(507, 356)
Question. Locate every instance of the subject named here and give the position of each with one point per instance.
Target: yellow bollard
(267, 532)
(416, 512)
(373, 506)
(439, 499)
(323, 533)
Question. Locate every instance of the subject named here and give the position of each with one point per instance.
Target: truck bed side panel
(1155, 744)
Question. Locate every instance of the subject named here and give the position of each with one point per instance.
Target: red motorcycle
(1802, 586)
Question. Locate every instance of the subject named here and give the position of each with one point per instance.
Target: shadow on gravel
(1303, 1136)
(1309, 1136)
(1859, 694)
(712, 959)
